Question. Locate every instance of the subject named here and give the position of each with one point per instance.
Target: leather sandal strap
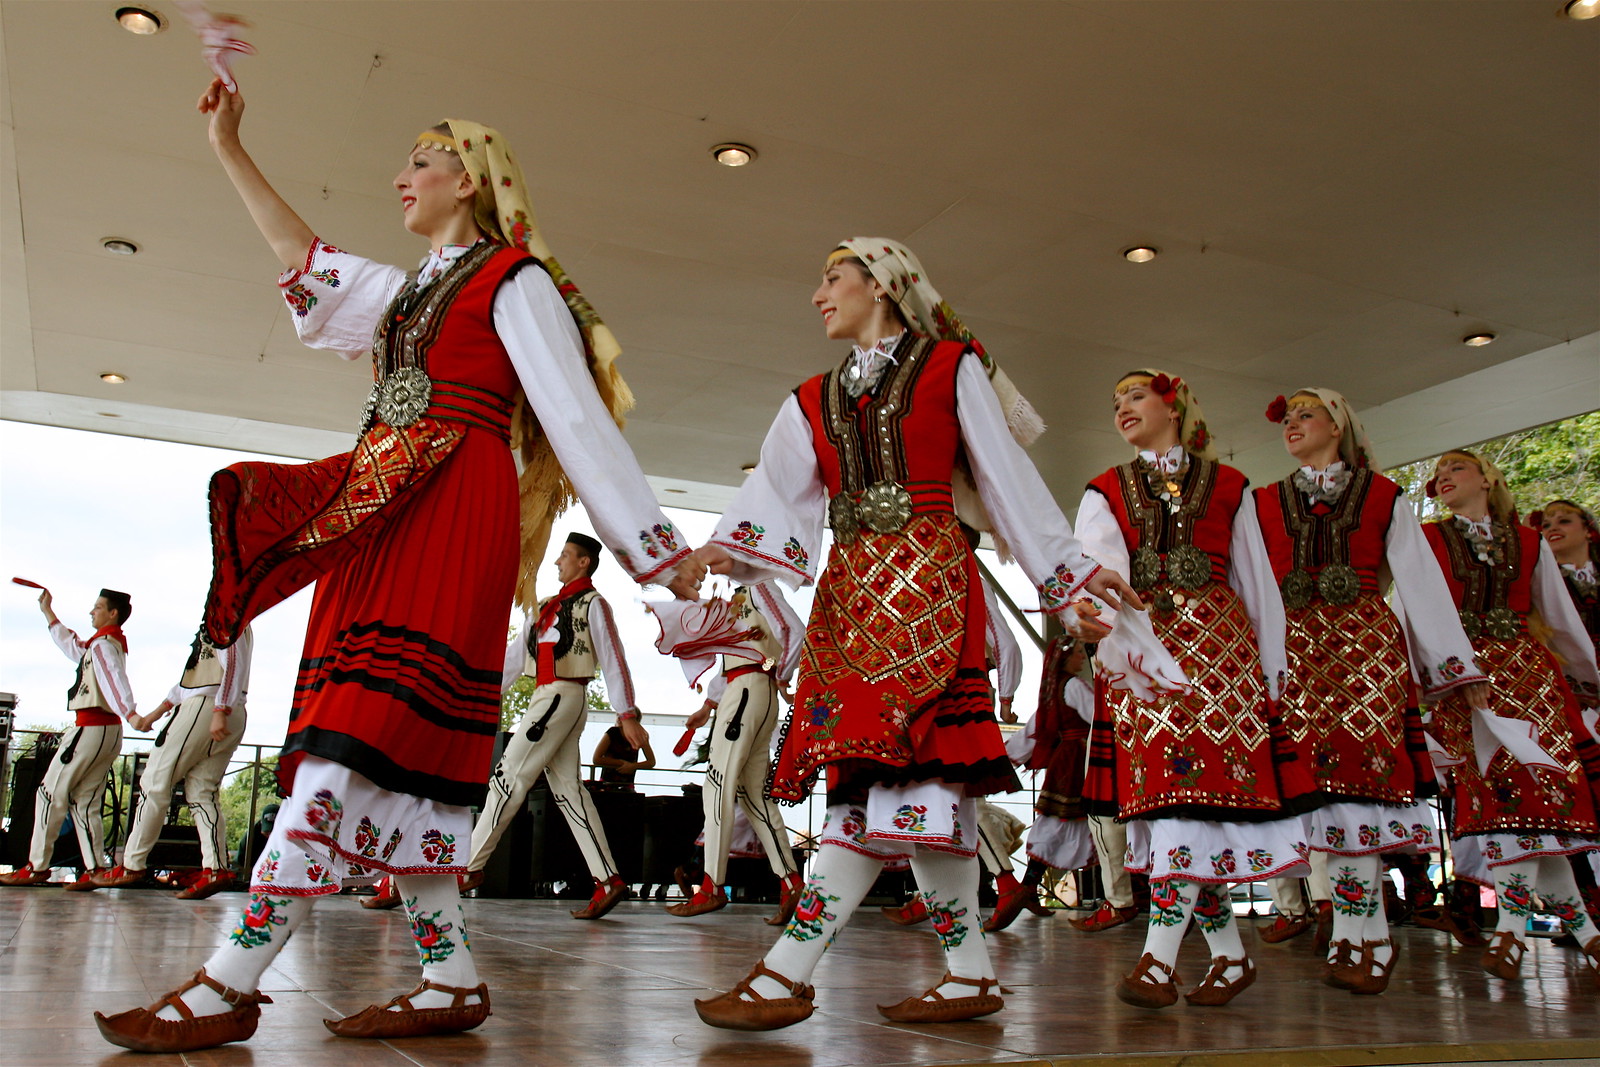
(983, 984)
(760, 970)
(1142, 970)
(458, 994)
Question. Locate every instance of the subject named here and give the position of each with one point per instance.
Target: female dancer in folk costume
(1526, 775)
(1574, 539)
(892, 701)
(1336, 531)
(412, 540)
(1204, 775)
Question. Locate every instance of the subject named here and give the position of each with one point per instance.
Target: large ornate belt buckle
(1339, 583)
(884, 508)
(1145, 567)
(1297, 587)
(404, 395)
(1472, 624)
(842, 517)
(1502, 624)
(1189, 567)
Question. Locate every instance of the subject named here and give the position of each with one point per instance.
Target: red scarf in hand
(545, 671)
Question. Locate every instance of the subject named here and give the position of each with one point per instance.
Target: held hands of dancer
(1477, 694)
(284, 230)
(1114, 589)
(1083, 621)
(685, 584)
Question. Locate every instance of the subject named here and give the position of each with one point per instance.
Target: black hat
(587, 544)
(121, 603)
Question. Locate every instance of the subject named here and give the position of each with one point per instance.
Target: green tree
(1559, 459)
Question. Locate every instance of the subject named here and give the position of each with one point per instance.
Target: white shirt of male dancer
(561, 645)
(194, 748)
(745, 698)
(100, 700)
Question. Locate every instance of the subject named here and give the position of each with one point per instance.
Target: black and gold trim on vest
(866, 432)
(1485, 608)
(571, 624)
(1323, 540)
(1162, 527)
(413, 319)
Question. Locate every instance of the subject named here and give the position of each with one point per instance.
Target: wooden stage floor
(618, 992)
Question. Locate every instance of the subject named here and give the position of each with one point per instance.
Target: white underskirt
(1364, 829)
(1502, 849)
(339, 829)
(1217, 852)
(1064, 844)
(896, 819)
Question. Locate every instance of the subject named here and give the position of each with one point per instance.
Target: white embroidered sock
(840, 877)
(1356, 884)
(1172, 903)
(433, 904)
(1213, 911)
(1513, 890)
(259, 934)
(949, 886)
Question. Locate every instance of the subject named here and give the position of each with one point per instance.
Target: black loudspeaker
(26, 775)
(538, 849)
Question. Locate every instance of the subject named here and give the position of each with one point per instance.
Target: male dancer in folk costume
(1336, 532)
(100, 700)
(744, 697)
(891, 700)
(413, 542)
(1056, 740)
(564, 642)
(1526, 772)
(194, 748)
(1204, 776)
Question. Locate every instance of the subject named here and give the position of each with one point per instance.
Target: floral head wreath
(504, 212)
(1193, 434)
(1501, 505)
(1354, 447)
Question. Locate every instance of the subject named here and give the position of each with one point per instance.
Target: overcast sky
(80, 511)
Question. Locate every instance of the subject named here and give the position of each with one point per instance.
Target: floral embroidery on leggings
(1167, 902)
(254, 927)
(811, 913)
(1213, 910)
(431, 935)
(1352, 896)
(946, 920)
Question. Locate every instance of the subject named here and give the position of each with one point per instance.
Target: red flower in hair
(1432, 488)
(1166, 388)
(1277, 409)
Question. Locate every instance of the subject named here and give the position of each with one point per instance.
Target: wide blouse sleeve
(1441, 653)
(1007, 653)
(547, 351)
(773, 528)
(1568, 639)
(1018, 502)
(1250, 574)
(338, 299)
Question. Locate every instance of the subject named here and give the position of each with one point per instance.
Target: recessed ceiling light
(748, 468)
(140, 20)
(1140, 254)
(1582, 9)
(676, 490)
(1477, 340)
(113, 377)
(733, 155)
(119, 246)
(108, 414)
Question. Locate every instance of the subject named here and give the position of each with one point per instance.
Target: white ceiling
(1341, 192)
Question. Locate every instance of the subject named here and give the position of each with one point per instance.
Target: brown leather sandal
(1503, 957)
(139, 1029)
(1215, 990)
(1140, 990)
(378, 1021)
(1344, 956)
(1366, 976)
(732, 1011)
(942, 1009)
